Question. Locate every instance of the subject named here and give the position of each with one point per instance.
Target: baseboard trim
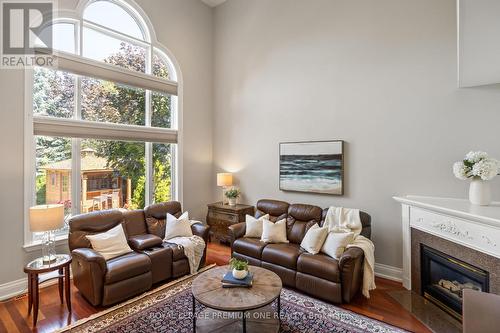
(389, 272)
(18, 287)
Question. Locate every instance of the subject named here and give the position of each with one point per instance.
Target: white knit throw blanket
(340, 219)
(193, 249)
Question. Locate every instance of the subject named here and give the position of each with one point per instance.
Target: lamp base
(49, 259)
(48, 247)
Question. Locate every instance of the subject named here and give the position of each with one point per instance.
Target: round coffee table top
(207, 289)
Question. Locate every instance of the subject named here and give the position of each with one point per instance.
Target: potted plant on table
(240, 268)
(480, 168)
(231, 195)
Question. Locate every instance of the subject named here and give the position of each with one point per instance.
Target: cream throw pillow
(254, 226)
(314, 239)
(336, 242)
(110, 244)
(178, 227)
(274, 232)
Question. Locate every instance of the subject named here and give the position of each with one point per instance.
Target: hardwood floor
(53, 315)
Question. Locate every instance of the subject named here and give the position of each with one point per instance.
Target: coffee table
(236, 309)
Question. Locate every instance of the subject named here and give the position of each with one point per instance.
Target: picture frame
(312, 167)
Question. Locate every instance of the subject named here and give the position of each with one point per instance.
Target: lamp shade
(46, 217)
(224, 179)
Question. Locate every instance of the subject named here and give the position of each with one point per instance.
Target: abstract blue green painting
(316, 167)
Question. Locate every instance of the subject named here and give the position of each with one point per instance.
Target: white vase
(479, 192)
(231, 201)
(240, 275)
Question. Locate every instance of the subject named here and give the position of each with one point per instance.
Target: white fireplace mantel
(456, 220)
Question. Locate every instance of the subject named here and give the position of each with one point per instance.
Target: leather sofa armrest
(90, 256)
(88, 268)
(143, 242)
(237, 231)
(201, 230)
(351, 272)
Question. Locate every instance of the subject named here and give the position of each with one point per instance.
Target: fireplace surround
(467, 234)
(443, 279)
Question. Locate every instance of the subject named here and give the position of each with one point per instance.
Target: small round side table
(36, 267)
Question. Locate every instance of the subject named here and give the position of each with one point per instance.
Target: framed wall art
(313, 166)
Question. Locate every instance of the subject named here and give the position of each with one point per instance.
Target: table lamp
(224, 180)
(46, 219)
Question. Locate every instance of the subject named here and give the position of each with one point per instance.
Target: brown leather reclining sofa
(319, 275)
(104, 282)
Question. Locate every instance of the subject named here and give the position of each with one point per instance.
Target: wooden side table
(220, 216)
(36, 267)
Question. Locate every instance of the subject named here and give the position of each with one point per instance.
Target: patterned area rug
(168, 309)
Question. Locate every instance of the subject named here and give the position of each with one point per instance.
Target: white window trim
(76, 17)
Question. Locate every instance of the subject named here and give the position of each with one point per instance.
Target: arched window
(104, 121)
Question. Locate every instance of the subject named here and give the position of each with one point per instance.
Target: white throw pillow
(336, 242)
(110, 244)
(274, 232)
(254, 226)
(178, 227)
(314, 239)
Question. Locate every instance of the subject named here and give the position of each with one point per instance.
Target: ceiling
(213, 3)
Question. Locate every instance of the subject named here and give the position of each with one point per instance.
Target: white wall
(380, 75)
(183, 26)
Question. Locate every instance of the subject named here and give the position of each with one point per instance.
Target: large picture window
(104, 122)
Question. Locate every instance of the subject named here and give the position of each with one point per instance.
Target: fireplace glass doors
(444, 278)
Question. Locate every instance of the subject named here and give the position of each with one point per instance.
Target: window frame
(31, 121)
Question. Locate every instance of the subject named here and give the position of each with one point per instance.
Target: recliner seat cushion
(283, 254)
(251, 247)
(126, 266)
(319, 265)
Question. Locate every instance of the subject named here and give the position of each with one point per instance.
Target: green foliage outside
(40, 189)
(107, 102)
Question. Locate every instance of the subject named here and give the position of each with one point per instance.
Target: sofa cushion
(134, 222)
(156, 215)
(253, 226)
(300, 218)
(314, 239)
(110, 244)
(274, 232)
(126, 266)
(283, 254)
(178, 226)
(276, 209)
(143, 242)
(319, 265)
(251, 247)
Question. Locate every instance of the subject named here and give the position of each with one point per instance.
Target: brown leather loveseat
(104, 282)
(319, 275)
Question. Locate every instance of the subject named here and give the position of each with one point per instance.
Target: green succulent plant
(232, 193)
(239, 265)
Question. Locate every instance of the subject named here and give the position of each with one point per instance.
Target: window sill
(37, 245)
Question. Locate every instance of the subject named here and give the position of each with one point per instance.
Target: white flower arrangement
(477, 164)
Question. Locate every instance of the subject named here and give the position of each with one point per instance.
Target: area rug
(168, 309)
